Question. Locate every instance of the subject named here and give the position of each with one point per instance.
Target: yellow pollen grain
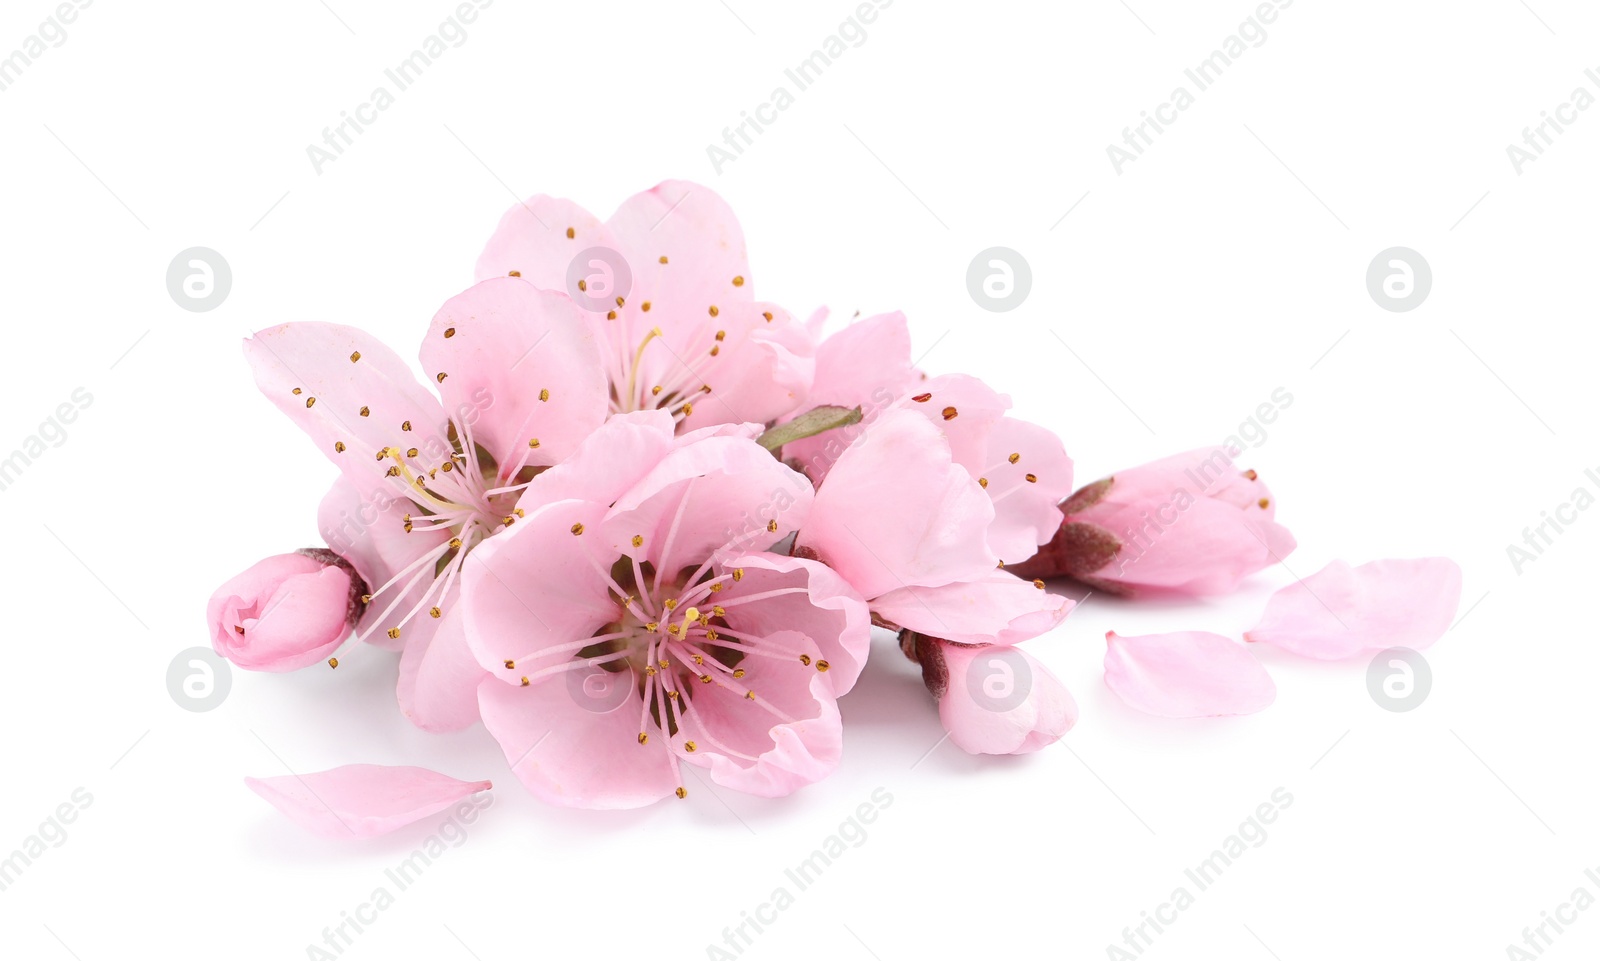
(295, 392)
(544, 393)
(1014, 458)
(620, 301)
(722, 335)
(366, 598)
(688, 409)
(670, 603)
(645, 306)
(509, 519)
(949, 413)
(611, 315)
(923, 398)
(571, 233)
(705, 679)
(405, 425)
(514, 273)
(577, 529)
(392, 472)
(333, 662)
(805, 659)
(663, 258)
(338, 445)
(768, 315)
(310, 401)
(644, 738)
(434, 612)
(355, 356)
(524, 681)
(455, 543)
(749, 695)
(655, 390)
(715, 351)
(682, 792)
(444, 467)
(394, 632)
(1031, 478)
(1039, 584)
(638, 540)
(366, 412)
(822, 666)
(583, 284)
(688, 746)
(412, 452)
(983, 482)
(738, 281)
(714, 310)
(715, 588)
(718, 611)
(772, 527)
(440, 376)
(1263, 502)
(738, 573)
(511, 665)
(533, 442)
(738, 672)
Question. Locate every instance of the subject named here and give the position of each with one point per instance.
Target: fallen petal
(362, 800)
(1186, 674)
(1341, 611)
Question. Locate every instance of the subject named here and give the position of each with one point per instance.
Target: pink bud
(1189, 524)
(286, 612)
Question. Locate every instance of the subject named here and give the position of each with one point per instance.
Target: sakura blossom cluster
(645, 521)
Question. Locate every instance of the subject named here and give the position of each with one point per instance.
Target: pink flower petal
(995, 608)
(882, 531)
(1342, 611)
(535, 587)
(1025, 511)
(439, 676)
(1186, 674)
(532, 240)
(342, 386)
(573, 754)
(828, 610)
(790, 737)
(362, 800)
(522, 365)
(607, 463)
(866, 365)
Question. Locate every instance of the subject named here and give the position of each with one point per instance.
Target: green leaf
(810, 424)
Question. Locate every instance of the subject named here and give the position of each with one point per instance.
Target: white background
(1226, 262)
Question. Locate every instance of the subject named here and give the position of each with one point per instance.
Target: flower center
(469, 497)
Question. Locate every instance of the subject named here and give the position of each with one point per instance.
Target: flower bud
(1189, 524)
(286, 612)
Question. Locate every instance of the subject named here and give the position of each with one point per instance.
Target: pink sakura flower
(286, 612)
(425, 480)
(913, 528)
(1188, 524)
(667, 285)
(637, 619)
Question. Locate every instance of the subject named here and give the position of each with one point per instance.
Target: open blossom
(667, 285)
(286, 612)
(913, 530)
(1190, 524)
(636, 620)
(426, 479)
